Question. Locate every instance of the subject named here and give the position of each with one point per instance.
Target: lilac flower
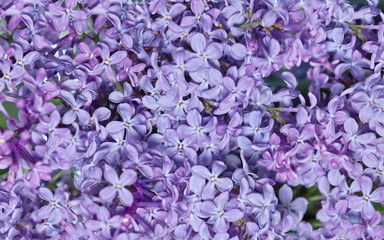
(263, 204)
(272, 60)
(107, 62)
(129, 71)
(119, 31)
(127, 178)
(223, 184)
(299, 139)
(207, 52)
(65, 15)
(105, 222)
(48, 226)
(295, 208)
(254, 129)
(120, 97)
(352, 137)
(195, 130)
(218, 215)
(88, 54)
(199, 17)
(5, 136)
(363, 203)
(335, 216)
(86, 88)
(167, 15)
(133, 123)
(183, 63)
(75, 112)
(238, 92)
(356, 64)
(234, 13)
(180, 120)
(337, 45)
(56, 201)
(180, 149)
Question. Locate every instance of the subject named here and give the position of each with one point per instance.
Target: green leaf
(12, 110)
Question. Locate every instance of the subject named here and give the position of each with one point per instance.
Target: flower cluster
(191, 119)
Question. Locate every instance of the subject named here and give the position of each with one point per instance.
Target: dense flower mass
(191, 119)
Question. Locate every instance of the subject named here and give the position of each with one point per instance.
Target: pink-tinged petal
(274, 48)
(126, 197)
(84, 48)
(127, 41)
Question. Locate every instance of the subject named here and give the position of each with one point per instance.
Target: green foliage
(12, 110)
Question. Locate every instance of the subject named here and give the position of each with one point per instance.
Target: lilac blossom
(127, 178)
(191, 119)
